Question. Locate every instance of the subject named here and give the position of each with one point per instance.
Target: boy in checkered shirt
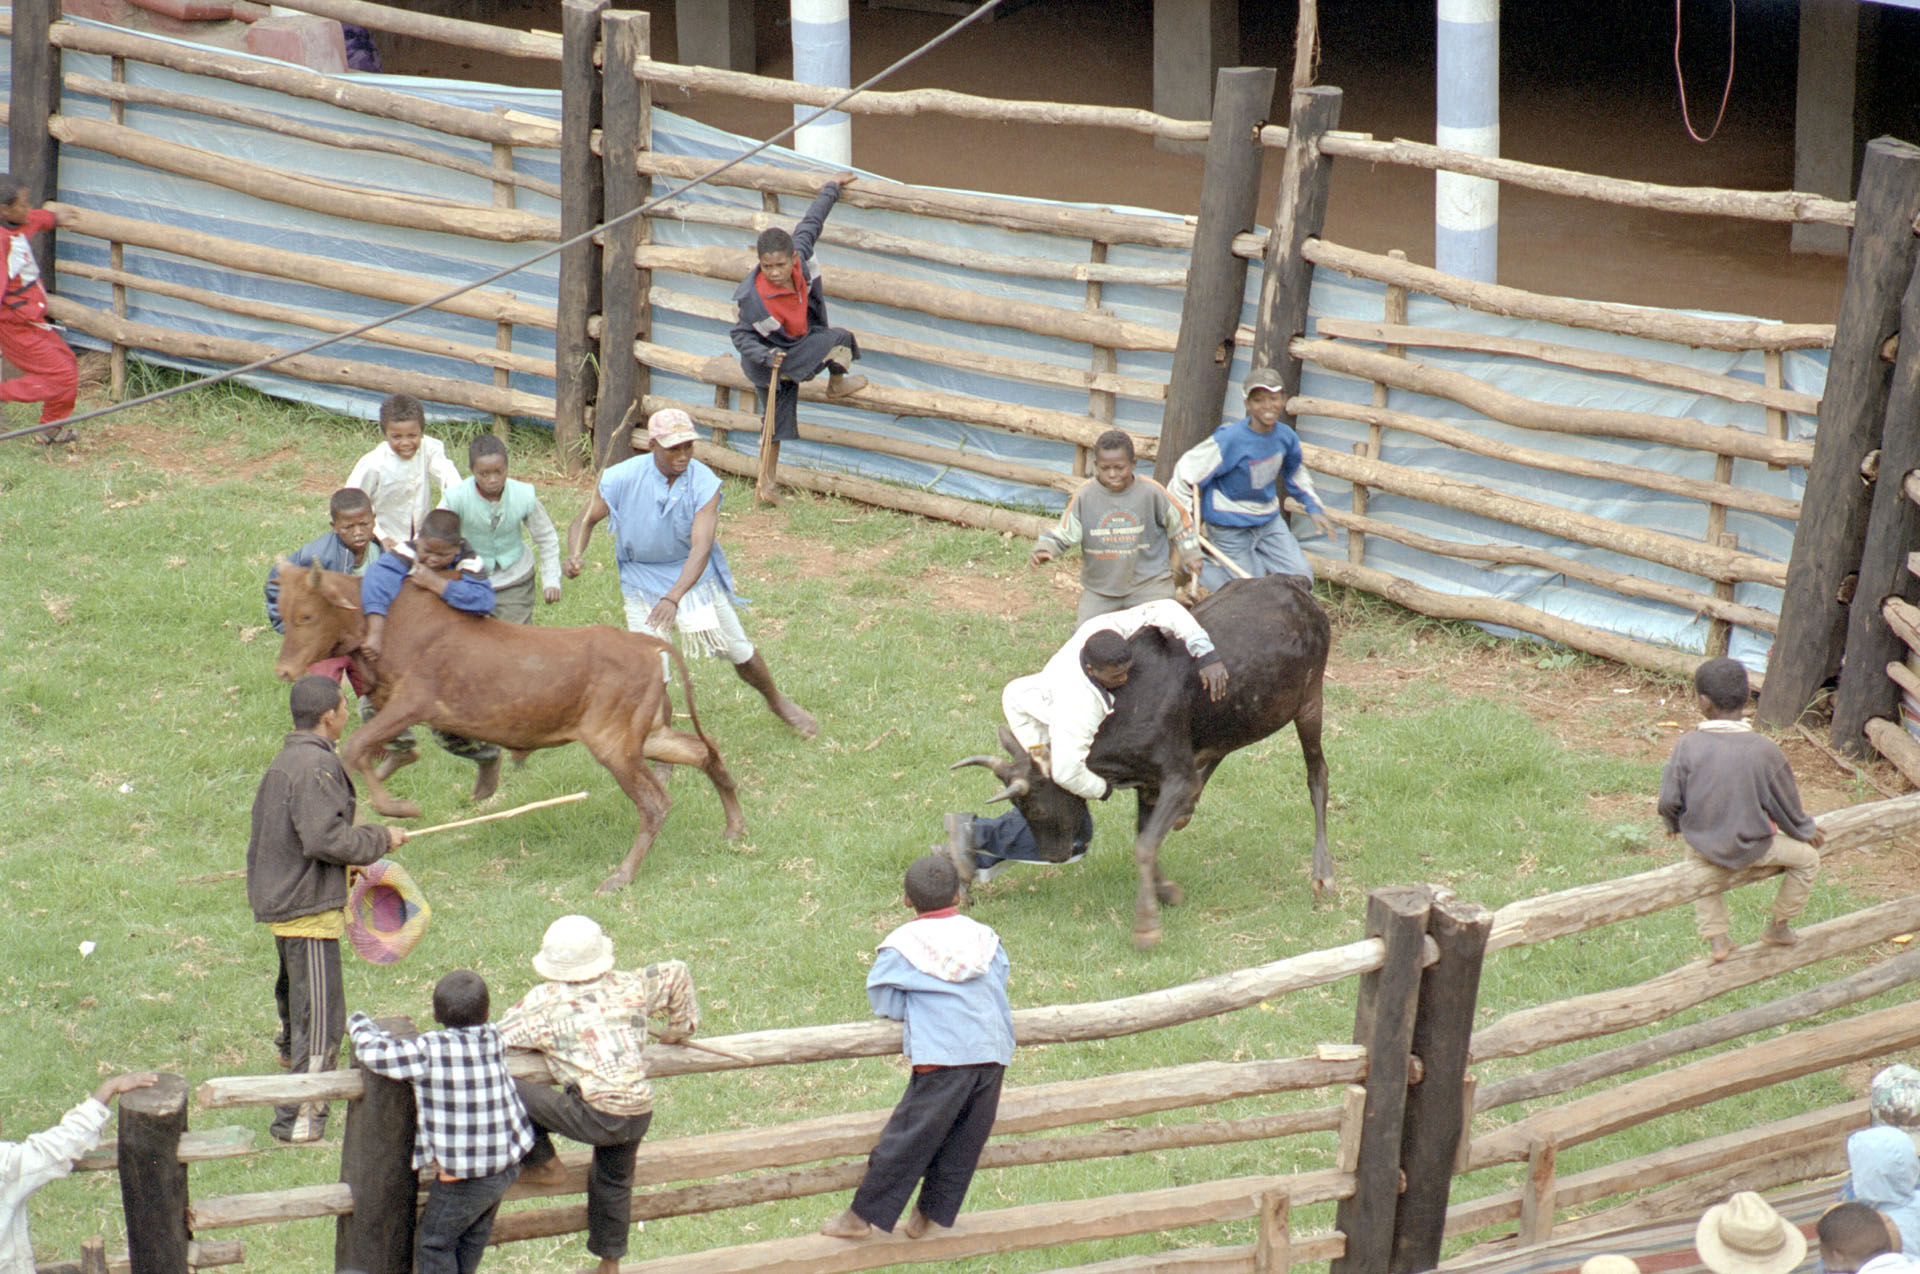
(470, 1126)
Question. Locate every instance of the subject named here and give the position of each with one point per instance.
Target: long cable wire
(988, 6)
(1725, 93)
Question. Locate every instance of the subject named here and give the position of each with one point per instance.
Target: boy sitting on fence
(1728, 790)
(49, 373)
(1124, 526)
(470, 1126)
(783, 310)
(944, 977)
(399, 475)
(493, 508)
(27, 1165)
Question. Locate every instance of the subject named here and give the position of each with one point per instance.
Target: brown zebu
(514, 685)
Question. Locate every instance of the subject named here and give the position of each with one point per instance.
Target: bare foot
(920, 1223)
(1719, 947)
(550, 1173)
(608, 1265)
(846, 1226)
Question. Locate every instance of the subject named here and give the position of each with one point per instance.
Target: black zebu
(1165, 737)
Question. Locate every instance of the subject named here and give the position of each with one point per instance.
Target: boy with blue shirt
(347, 546)
(1231, 485)
(944, 977)
(493, 508)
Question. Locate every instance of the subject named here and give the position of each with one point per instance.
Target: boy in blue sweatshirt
(944, 976)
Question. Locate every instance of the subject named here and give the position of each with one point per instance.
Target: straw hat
(574, 950)
(1609, 1264)
(1745, 1236)
(386, 913)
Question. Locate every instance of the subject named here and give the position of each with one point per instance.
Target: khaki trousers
(1802, 864)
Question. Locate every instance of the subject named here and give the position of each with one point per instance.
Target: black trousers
(936, 1132)
(313, 1017)
(806, 358)
(616, 1142)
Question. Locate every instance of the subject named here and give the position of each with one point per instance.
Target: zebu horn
(989, 761)
(1019, 787)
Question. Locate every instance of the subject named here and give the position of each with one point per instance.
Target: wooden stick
(1908, 682)
(1233, 568)
(1626, 320)
(515, 812)
(766, 484)
(1891, 740)
(715, 1049)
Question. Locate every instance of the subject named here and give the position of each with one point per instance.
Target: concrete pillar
(1192, 40)
(715, 33)
(823, 54)
(1466, 210)
(1823, 114)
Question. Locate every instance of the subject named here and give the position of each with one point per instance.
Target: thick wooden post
(1893, 530)
(33, 155)
(625, 127)
(1216, 278)
(1299, 212)
(153, 1181)
(1438, 1106)
(1273, 1246)
(376, 1161)
(1383, 1022)
(1853, 411)
(576, 355)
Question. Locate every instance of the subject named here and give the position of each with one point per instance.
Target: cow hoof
(396, 809)
(1169, 893)
(799, 719)
(614, 883)
(735, 830)
(1180, 824)
(487, 781)
(1146, 939)
(1322, 886)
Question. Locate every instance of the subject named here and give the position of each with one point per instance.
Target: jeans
(1257, 550)
(457, 1221)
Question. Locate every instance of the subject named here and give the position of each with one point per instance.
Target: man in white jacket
(27, 1165)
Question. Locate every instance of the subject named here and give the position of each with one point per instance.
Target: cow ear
(340, 593)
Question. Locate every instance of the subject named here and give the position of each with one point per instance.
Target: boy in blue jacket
(944, 976)
(347, 546)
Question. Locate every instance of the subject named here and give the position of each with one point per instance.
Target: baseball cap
(1262, 378)
(670, 427)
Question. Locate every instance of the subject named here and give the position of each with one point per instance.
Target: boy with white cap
(1231, 485)
(665, 507)
(590, 1020)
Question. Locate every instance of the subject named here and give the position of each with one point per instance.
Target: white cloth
(951, 948)
(1890, 1263)
(27, 1165)
(402, 490)
(1063, 707)
(705, 620)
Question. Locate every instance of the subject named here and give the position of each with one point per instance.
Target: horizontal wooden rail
(198, 1146)
(1494, 610)
(940, 300)
(1885, 976)
(1541, 559)
(300, 267)
(267, 1207)
(1710, 561)
(1529, 413)
(538, 45)
(1301, 1249)
(1654, 371)
(986, 1233)
(1626, 320)
(1102, 224)
(1606, 902)
(1706, 201)
(312, 367)
(275, 184)
(200, 1256)
(1464, 439)
(921, 101)
(142, 95)
(1050, 1024)
(297, 81)
(1711, 1079)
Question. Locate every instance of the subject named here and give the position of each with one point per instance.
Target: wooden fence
(1413, 1122)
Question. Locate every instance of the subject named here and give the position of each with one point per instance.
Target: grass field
(140, 708)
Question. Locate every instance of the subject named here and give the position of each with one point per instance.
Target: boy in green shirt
(1125, 526)
(493, 508)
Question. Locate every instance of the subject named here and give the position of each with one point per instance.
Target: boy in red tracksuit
(49, 373)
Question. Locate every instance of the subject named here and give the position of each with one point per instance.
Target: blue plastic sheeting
(92, 180)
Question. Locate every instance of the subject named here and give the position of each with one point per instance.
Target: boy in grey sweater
(1730, 792)
(1124, 525)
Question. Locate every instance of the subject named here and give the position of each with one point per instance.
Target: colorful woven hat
(386, 913)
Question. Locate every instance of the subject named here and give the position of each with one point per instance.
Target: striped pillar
(1466, 210)
(822, 54)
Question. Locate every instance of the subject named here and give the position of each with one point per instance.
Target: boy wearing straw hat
(1746, 1236)
(590, 1021)
(665, 507)
(302, 842)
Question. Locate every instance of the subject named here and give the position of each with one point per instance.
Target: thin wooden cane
(766, 487)
(488, 818)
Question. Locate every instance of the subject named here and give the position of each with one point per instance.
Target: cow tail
(686, 688)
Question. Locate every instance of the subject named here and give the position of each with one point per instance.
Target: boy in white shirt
(27, 1165)
(399, 475)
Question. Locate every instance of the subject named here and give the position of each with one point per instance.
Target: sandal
(57, 437)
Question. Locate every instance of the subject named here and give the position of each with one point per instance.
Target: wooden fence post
(1393, 311)
(1273, 1248)
(1853, 411)
(1437, 1107)
(376, 1162)
(576, 354)
(625, 126)
(1383, 1022)
(1299, 212)
(153, 1181)
(1893, 530)
(33, 155)
(1216, 278)
(1537, 1198)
